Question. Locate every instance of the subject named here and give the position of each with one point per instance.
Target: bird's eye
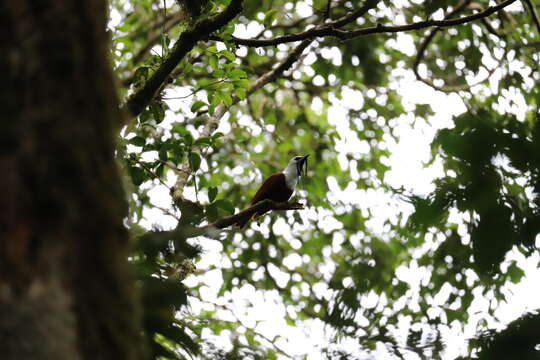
(297, 158)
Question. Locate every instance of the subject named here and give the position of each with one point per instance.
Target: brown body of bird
(278, 187)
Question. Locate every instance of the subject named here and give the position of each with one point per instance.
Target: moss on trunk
(65, 288)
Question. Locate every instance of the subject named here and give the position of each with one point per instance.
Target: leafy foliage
(225, 119)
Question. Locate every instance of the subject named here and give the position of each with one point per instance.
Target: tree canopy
(222, 93)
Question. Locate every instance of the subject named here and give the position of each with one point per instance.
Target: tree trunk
(65, 289)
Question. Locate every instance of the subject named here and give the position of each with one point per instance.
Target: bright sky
(264, 310)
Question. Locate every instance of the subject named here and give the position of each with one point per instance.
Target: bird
(278, 187)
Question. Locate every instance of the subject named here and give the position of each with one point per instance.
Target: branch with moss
(187, 40)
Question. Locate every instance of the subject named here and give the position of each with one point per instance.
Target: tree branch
(186, 231)
(212, 123)
(534, 15)
(187, 40)
(331, 30)
(260, 207)
(358, 13)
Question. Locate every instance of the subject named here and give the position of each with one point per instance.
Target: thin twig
(166, 211)
(424, 45)
(163, 42)
(167, 25)
(196, 90)
(328, 8)
(252, 329)
(154, 175)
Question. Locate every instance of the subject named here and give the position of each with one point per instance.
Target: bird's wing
(267, 185)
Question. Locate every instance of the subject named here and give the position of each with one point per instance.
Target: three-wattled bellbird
(278, 187)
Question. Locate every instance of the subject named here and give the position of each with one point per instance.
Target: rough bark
(65, 290)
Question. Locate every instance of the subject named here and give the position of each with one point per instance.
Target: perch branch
(184, 231)
(187, 40)
(260, 207)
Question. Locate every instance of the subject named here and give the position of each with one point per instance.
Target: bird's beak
(301, 163)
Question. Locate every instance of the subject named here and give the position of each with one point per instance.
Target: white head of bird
(294, 170)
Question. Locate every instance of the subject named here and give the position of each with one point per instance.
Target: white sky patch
(304, 8)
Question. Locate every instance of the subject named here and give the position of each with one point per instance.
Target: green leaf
(225, 205)
(243, 83)
(145, 116)
(163, 155)
(194, 161)
(227, 99)
(160, 170)
(203, 142)
(158, 113)
(217, 135)
(137, 141)
(212, 193)
(237, 74)
(188, 139)
(140, 74)
(180, 130)
(241, 93)
(515, 273)
(221, 86)
(269, 17)
(197, 105)
(138, 176)
(228, 54)
(219, 73)
(213, 61)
